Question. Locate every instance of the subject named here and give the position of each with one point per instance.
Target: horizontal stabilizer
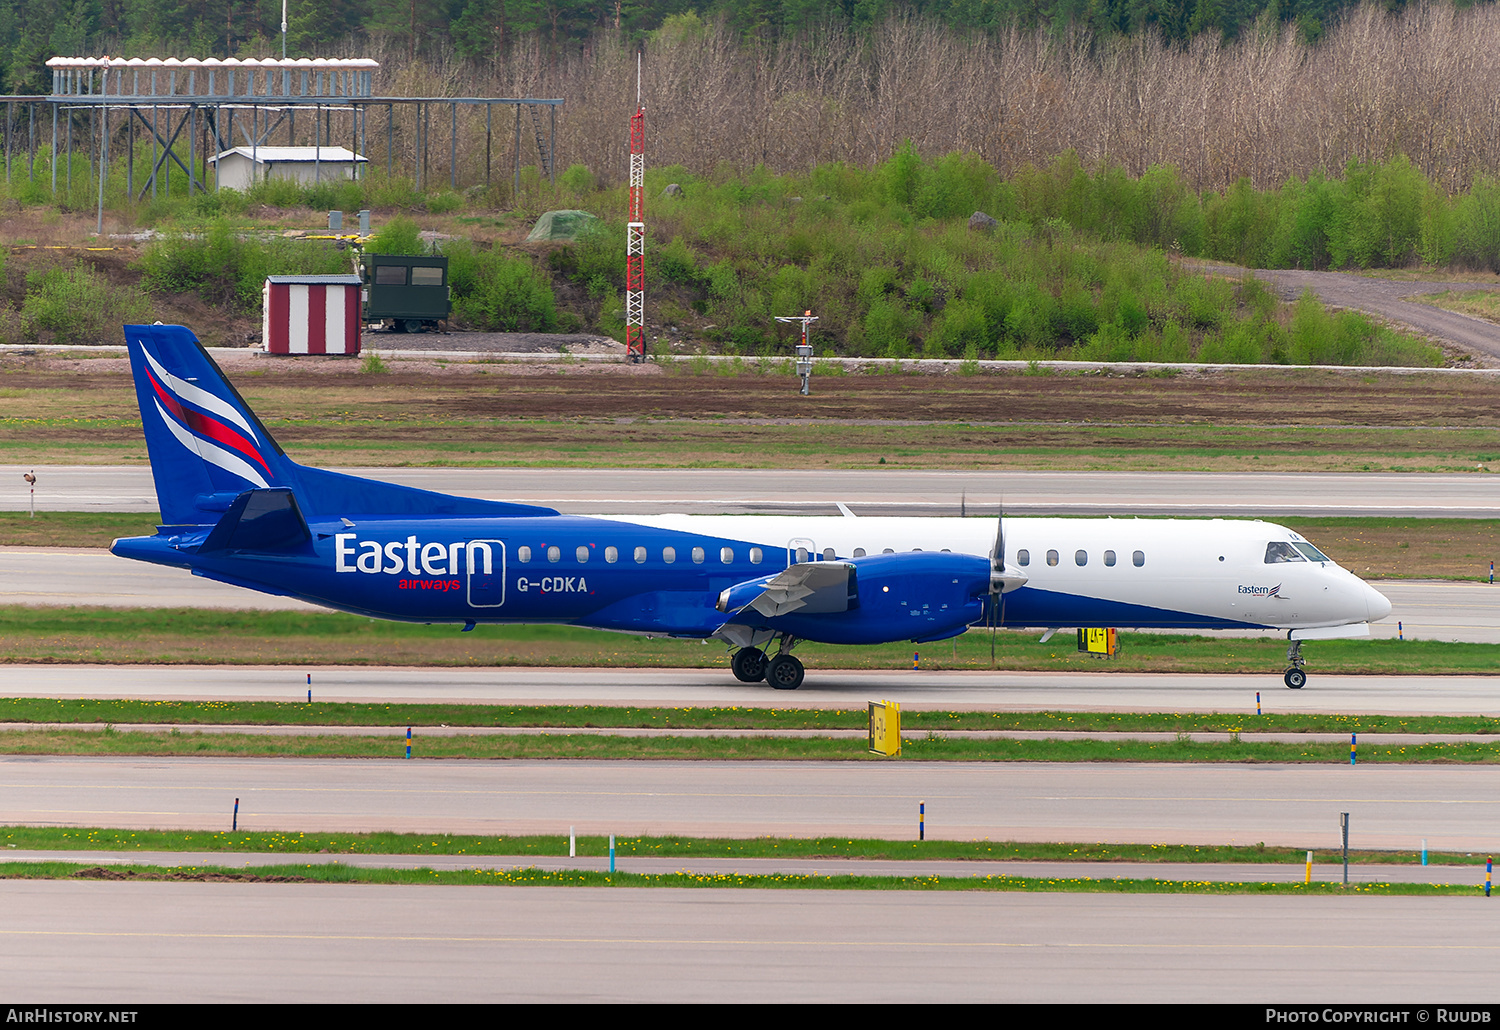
(260, 520)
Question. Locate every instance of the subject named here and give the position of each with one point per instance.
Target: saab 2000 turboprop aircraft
(238, 510)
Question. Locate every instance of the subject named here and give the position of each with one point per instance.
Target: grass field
(321, 713)
(51, 838)
(736, 416)
(1483, 304)
(531, 877)
(935, 747)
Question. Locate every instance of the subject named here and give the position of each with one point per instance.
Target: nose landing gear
(1294, 677)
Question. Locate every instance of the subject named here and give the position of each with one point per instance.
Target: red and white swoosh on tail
(197, 395)
(207, 437)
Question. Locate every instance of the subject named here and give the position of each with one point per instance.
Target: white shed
(239, 167)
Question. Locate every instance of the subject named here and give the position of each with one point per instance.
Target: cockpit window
(1278, 551)
(1311, 553)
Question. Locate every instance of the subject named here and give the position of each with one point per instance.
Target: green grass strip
(320, 713)
(604, 747)
(336, 873)
(53, 838)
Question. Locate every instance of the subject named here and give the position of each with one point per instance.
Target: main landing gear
(749, 664)
(784, 672)
(1295, 677)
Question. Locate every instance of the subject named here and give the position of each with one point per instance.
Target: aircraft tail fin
(206, 445)
(207, 448)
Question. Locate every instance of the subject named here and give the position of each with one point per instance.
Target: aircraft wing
(813, 588)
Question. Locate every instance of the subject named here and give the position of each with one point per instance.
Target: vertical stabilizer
(207, 448)
(206, 445)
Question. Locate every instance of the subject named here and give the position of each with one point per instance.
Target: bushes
(229, 268)
(78, 305)
(1080, 264)
(494, 292)
(400, 235)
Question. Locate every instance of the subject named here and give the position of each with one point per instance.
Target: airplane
(237, 510)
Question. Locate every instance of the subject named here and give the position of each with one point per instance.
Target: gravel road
(1390, 300)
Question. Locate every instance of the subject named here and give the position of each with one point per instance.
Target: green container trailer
(408, 294)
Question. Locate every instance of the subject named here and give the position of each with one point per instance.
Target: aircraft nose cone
(1378, 604)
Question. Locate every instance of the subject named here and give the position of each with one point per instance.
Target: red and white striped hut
(311, 314)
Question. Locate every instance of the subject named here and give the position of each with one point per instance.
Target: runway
(1391, 807)
(1000, 691)
(867, 492)
(126, 943)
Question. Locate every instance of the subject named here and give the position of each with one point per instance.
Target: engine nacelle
(918, 596)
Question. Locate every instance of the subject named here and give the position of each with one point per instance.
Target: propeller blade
(997, 580)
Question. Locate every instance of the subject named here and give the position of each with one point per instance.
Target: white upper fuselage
(1212, 568)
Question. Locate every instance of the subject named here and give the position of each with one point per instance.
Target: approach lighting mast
(804, 349)
(635, 239)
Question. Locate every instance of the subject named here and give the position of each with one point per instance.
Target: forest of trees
(33, 30)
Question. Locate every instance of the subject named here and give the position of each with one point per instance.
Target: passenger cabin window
(801, 555)
(1278, 551)
(859, 552)
(554, 553)
(1080, 558)
(390, 275)
(640, 556)
(1023, 557)
(1138, 558)
(697, 556)
(888, 550)
(1109, 558)
(828, 554)
(669, 554)
(1051, 557)
(611, 554)
(582, 553)
(523, 554)
(757, 556)
(726, 556)
(427, 276)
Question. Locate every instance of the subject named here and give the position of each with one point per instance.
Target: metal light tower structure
(804, 349)
(635, 234)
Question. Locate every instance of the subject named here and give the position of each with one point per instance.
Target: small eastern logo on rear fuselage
(1259, 591)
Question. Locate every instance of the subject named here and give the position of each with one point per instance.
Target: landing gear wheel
(1295, 678)
(785, 672)
(749, 665)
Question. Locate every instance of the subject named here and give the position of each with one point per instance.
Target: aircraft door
(799, 550)
(486, 573)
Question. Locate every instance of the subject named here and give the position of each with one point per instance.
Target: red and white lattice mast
(635, 234)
